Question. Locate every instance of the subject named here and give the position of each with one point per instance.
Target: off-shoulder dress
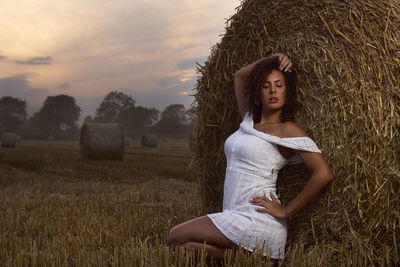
(253, 163)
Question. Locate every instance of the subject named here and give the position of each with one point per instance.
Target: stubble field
(58, 210)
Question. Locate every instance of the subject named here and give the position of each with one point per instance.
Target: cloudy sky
(87, 48)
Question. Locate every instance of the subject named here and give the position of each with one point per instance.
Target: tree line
(59, 115)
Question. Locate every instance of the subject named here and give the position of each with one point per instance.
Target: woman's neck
(270, 117)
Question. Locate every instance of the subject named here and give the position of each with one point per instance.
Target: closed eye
(266, 84)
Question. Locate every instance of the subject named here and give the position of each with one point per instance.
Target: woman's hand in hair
(286, 64)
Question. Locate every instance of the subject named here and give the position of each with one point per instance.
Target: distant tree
(113, 104)
(137, 119)
(190, 117)
(173, 120)
(59, 114)
(190, 120)
(12, 114)
(88, 119)
(175, 111)
(34, 122)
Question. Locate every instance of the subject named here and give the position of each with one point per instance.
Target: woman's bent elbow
(328, 176)
(325, 176)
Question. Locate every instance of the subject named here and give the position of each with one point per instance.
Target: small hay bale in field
(9, 139)
(347, 58)
(102, 141)
(127, 141)
(149, 140)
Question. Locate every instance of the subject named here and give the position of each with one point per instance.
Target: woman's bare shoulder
(292, 129)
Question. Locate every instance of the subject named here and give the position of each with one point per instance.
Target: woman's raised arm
(242, 75)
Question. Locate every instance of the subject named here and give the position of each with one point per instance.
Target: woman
(267, 139)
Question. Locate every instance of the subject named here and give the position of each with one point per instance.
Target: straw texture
(347, 57)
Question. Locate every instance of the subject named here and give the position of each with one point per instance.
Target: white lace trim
(303, 143)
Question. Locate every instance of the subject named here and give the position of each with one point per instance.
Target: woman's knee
(197, 230)
(176, 236)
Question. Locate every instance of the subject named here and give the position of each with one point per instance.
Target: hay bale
(149, 140)
(9, 139)
(127, 141)
(102, 141)
(346, 54)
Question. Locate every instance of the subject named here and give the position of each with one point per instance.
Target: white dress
(253, 163)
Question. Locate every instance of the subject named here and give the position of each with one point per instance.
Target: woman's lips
(273, 100)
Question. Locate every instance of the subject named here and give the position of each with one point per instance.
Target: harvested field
(59, 210)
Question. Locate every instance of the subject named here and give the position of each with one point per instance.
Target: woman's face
(273, 91)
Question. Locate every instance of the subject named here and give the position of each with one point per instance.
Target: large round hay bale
(9, 139)
(346, 54)
(149, 140)
(102, 141)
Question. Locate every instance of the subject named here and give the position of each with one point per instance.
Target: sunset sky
(87, 48)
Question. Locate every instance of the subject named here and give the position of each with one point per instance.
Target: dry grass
(57, 210)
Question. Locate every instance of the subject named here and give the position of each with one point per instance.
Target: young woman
(266, 140)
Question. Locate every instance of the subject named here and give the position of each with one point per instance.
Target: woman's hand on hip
(270, 206)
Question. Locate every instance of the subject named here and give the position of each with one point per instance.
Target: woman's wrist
(286, 212)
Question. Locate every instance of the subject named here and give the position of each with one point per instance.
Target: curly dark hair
(254, 85)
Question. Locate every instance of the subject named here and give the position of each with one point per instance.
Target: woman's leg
(273, 262)
(195, 232)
